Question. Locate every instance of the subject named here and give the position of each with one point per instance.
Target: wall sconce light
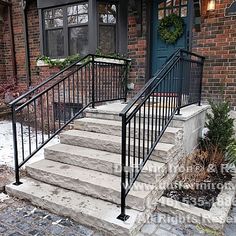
(211, 6)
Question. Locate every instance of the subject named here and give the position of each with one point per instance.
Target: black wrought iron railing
(40, 114)
(148, 114)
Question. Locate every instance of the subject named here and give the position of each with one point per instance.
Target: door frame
(149, 34)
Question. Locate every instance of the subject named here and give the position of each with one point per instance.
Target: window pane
(168, 12)
(111, 9)
(83, 8)
(72, 20)
(102, 8)
(102, 18)
(72, 10)
(184, 11)
(58, 22)
(55, 43)
(49, 24)
(107, 39)
(78, 40)
(48, 14)
(176, 2)
(58, 12)
(82, 19)
(111, 19)
(176, 11)
(161, 5)
(168, 3)
(161, 14)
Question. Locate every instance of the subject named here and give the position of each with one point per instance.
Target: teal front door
(160, 50)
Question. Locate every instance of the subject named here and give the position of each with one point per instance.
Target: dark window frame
(121, 23)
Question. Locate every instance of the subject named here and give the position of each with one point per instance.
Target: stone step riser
(168, 136)
(93, 190)
(148, 175)
(110, 146)
(175, 123)
(85, 210)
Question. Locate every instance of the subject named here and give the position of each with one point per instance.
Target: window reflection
(107, 27)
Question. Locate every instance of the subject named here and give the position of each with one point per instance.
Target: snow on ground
(6, 143)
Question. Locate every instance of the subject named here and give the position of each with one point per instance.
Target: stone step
(89, 182)
(114, 115)
(110, 143)
(102, 161)
(95, 213)
(112, 127)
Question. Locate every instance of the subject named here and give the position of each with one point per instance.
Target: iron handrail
(15, 101)
(147, 85)
(149, 113)
(52, 105)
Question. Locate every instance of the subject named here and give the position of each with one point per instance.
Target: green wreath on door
(171, 28)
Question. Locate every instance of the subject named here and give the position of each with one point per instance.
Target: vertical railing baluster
(35, 124)
(129, 153)
(134, 149)
(29, 129)
(15, 146)
(48, 114)
(180, 83)
(82, 87)
(200, 84)
(64, 100)
(69, 99)
(123, 216)
(93, 83)
(42, 118)
(53, 109)
(148, 126)
(22, 137)
(59, 105)
(144, 128)
(126, 79)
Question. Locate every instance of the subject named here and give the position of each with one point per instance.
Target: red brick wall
(137, 50)
(2, 62)
(217, 42)
(38, 73)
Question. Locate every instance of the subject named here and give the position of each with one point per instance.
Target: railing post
(126, 79)
(17, 169)
(200, 85)
(180, 83)
(93, 83)
(123, 216)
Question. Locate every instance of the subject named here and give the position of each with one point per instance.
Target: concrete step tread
(94, 154)
(82, 176)
(108, 138)
(85, 210)
(115, 123)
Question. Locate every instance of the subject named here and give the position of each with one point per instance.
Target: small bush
(220, 126)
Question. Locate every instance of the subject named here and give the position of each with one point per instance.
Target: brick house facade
(216, 40)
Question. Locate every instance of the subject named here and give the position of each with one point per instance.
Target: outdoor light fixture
(211, 5)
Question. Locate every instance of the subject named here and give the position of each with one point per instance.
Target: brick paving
(20, 218)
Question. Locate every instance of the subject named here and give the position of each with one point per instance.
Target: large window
(107, 14)
(82, 27)
(66, 30)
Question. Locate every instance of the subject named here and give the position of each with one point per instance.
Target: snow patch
(6, 143)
